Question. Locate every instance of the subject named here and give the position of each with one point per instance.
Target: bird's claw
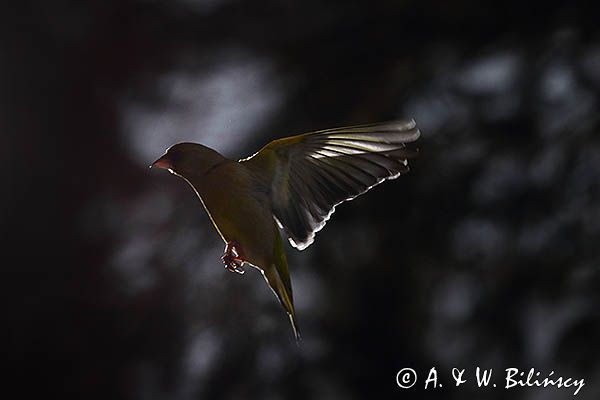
(234, 265)
(232, 258)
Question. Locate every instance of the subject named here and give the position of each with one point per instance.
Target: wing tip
(413, 134)
(405, 124)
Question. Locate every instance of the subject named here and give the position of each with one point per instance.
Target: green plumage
(294, 182)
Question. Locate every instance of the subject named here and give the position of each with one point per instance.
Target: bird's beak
(162, 163)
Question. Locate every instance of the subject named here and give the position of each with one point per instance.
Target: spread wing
(308, 175)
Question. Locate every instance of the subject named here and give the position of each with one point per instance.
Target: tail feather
(283, 295)
(278, 279)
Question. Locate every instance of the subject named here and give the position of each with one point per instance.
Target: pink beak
(162, 163)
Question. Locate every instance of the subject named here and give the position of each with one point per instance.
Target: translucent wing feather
(309, 175)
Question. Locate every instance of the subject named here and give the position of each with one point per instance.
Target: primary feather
(308, 175)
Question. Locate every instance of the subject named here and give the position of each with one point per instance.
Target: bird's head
(188, 159)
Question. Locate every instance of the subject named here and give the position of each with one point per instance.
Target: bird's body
(239, 215)
(293, 182)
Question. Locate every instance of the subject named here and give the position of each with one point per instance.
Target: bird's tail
(284, 294)
(278, 279)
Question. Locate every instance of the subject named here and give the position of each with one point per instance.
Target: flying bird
(293, 183)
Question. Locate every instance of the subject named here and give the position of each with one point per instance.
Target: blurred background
(485, 254)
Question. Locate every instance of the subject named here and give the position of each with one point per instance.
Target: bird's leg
(232, 257)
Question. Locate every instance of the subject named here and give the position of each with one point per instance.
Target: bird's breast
(239, 209)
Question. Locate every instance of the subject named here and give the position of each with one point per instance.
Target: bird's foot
(232, 258)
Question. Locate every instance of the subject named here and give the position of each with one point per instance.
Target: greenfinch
(293, 184)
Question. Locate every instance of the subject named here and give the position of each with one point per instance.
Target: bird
(291, 186)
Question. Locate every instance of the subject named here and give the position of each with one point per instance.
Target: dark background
(485, 254)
